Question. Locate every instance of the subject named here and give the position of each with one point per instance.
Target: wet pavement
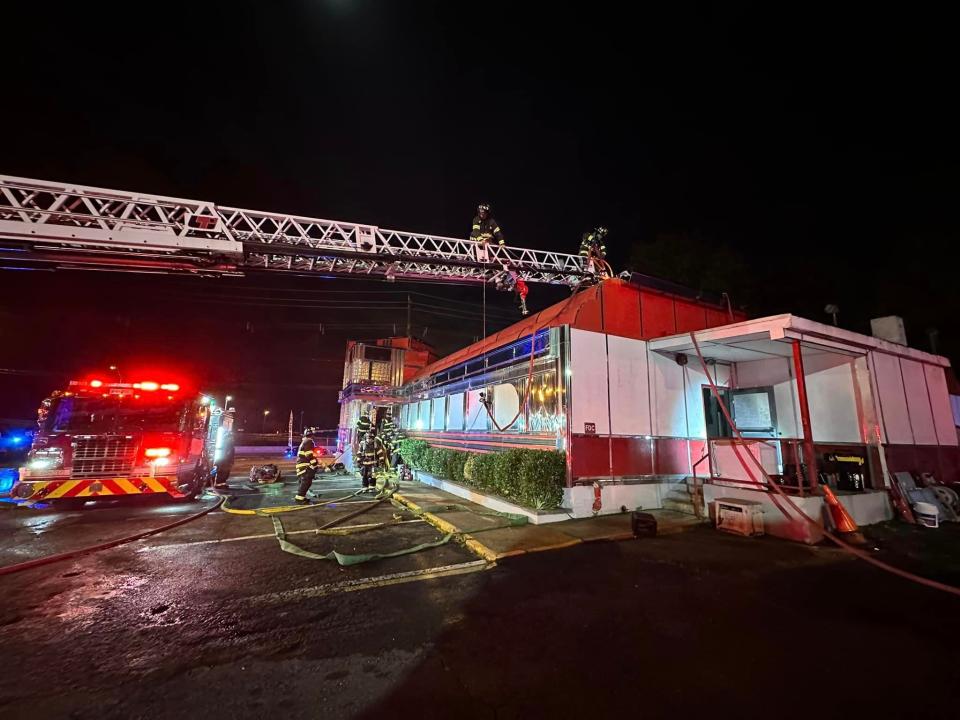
(213, 619)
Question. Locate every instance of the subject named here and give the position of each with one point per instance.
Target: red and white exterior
(617, 384)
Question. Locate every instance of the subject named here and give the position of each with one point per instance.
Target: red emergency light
(120, 388)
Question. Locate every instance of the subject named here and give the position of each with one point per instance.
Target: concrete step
(680, 495)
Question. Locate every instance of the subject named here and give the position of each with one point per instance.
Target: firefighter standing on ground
(361, 429)
(388, 432)
(371, 454)
(485, 229)
(307, 465)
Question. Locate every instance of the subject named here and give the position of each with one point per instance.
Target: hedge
(532, 478)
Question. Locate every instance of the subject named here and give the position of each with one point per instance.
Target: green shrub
(440, 462)
(431, 461)
(412, 452)
(506, 465)
(456, 461)
(541, 479)
(482, 470)
(471, 469)
(532, 478)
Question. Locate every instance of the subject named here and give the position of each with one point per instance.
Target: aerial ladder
(44, 224)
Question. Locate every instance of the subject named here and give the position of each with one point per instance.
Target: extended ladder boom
(72, 226)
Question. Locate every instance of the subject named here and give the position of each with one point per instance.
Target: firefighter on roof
(510, 281)
(593, 249)
(485, 229)
(307, 465)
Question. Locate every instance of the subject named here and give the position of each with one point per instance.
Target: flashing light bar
(159, 452)
(145, 385)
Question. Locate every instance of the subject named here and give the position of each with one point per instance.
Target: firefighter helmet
(483, 207)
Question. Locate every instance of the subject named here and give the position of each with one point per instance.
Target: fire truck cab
(106, 439)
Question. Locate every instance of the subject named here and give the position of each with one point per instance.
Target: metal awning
(773, 336)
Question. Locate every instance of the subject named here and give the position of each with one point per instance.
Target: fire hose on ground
(345, 559)
(26, 565)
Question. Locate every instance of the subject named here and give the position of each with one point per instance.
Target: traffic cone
(842, 520)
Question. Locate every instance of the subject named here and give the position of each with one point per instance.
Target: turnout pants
(366, 474)
(306, 480)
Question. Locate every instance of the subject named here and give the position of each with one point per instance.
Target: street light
(115, 369)
(263, 427)
(832, 310)
(226, 402)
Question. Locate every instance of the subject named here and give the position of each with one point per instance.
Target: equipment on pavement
(268, 473)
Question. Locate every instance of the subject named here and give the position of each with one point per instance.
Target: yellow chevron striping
(154, 484)
(62, 490)
(127, 486)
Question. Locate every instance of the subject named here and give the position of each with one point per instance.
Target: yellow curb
(613, 537)
(542, 548)
(556, 546)
(470, 542)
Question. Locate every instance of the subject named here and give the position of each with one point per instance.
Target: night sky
(793, 159)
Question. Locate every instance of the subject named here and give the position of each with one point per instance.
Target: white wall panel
(893, 402)
(832, 398)
(439, 414)
(477, 418)
(506, 404)
(423, 416)
(667, 391)
(940, 400)
(695, 380)
(629, 387)
(455, 412)
(918, 402)
(588, 360)
(870, 417)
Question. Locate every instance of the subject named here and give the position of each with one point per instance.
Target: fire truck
(101, 439)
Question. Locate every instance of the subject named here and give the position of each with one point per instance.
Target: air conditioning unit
(743, 517)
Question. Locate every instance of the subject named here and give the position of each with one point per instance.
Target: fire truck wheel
(194, 491)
